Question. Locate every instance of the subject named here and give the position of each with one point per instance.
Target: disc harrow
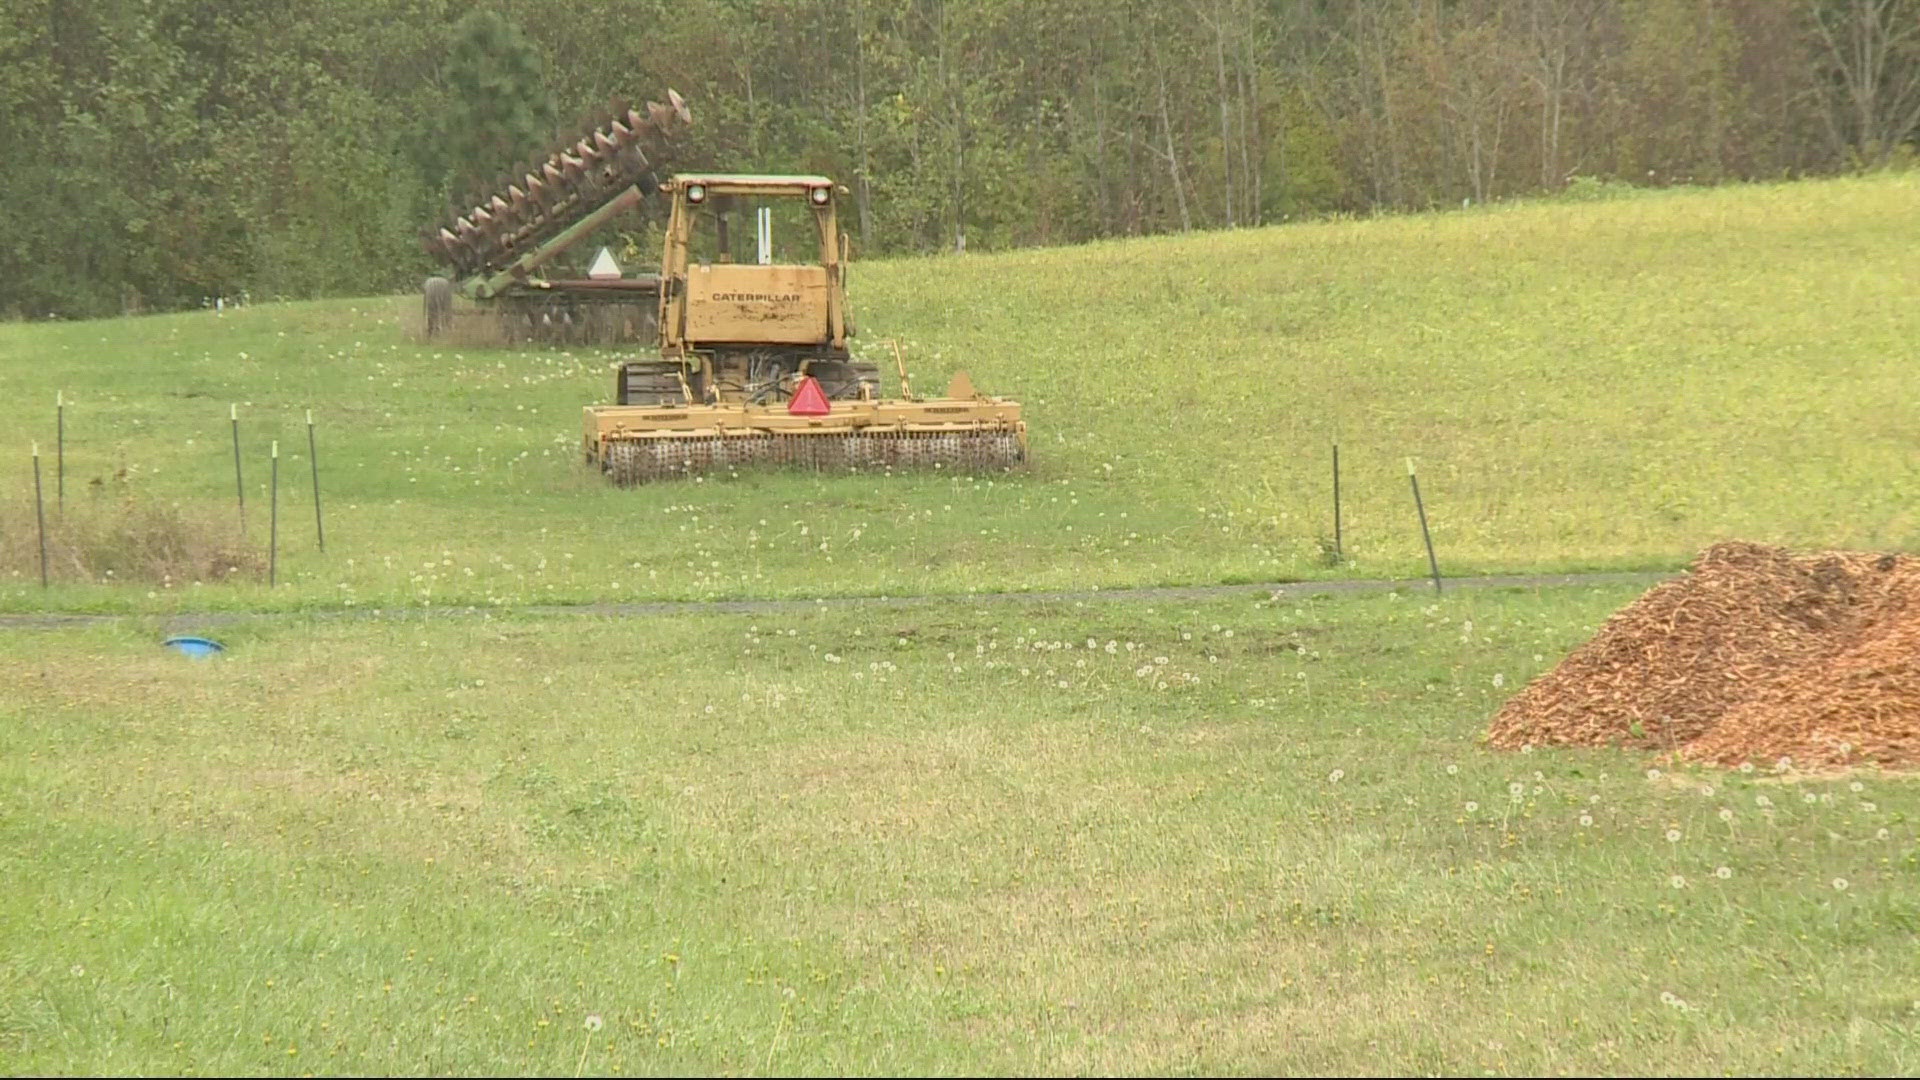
(550, 194)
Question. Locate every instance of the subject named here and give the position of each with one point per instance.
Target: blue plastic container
(197, 647)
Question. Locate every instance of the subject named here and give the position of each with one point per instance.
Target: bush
(1598, 189)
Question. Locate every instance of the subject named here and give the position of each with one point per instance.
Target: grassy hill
(1583, 384)
(1156, 835)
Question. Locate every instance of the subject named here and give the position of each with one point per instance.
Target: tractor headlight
(696, 193)
(820, 195)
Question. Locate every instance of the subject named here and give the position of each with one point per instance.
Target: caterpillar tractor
(753, 365)
(502, 250)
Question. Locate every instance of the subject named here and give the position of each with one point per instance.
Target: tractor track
(180, 622)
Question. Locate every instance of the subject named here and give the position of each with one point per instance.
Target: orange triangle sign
(809, 399)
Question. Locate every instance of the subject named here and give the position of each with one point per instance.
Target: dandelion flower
(1723, 872)
(593, 1022)
(1726, 814)
(1472, 807)
(1839, 884)
(1453, 770)
(1809, 797)
(1586, 820)
(1336, 775)
(1746, 766)
(1707, 792)
(1673, 836)
(1677, 881)
(1653, 774)
(1882, 834)
(1499, 680)
(1763, 802)
(1856, 787)
(1869, 807)
(1516, 790)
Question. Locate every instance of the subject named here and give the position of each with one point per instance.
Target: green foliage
(1302, 162)
(161, 154)
(500, 111)
(164, 152)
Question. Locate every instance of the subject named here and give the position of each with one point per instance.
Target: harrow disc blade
(553, 192)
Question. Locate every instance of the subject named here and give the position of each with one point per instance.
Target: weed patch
(110, 534)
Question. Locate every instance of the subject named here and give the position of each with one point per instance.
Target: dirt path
(1351, 586)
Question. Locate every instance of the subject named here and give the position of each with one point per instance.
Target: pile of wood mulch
(1757, 654)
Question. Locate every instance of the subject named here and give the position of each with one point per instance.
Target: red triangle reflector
(809, 399)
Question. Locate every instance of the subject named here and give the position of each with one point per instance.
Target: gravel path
(1351, 586)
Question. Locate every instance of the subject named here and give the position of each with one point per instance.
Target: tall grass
(106, 534)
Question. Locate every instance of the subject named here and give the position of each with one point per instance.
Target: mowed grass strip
(1608, 384)
(1224, 836)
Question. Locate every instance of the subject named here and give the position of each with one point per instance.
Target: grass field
(411, 824)
(1221, 837)
(1584, 385)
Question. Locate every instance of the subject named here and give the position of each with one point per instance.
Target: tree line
(155, 153)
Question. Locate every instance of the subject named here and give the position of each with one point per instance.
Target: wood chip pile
(1756, 655)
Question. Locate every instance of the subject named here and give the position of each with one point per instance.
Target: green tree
(501, 110)
(1872, 49)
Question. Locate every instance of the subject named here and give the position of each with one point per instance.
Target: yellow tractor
(753, 365)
